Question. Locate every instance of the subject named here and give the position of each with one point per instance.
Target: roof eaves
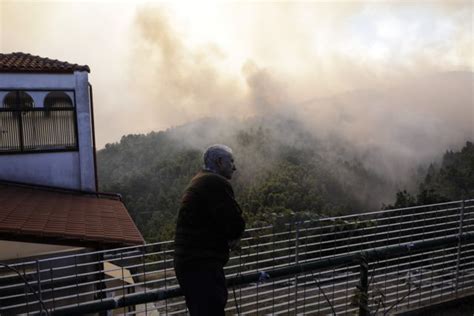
(19, 62)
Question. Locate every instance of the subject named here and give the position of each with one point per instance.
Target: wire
(324, 294)
(32, 290)
(240, 275)
(335, 267)
(377, 261)
(410, 291)
(235, 302)
(317, 282)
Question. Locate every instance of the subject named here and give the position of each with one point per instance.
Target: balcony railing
(25, 128)
(378, 263)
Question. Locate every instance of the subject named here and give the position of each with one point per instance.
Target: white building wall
(60, 169)
(86, 150)
(37, 81)
(14, 250)
(74, 170)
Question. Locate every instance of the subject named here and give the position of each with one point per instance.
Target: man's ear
(219, 161)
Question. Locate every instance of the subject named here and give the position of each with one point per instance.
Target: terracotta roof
(69, 218)
(21, 62)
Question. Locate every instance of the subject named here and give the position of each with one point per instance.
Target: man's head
(219, 159)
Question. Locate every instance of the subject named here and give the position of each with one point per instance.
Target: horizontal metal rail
(149, 267)
(372, 254)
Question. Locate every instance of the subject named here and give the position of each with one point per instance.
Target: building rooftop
(35, 214)
(22, 62)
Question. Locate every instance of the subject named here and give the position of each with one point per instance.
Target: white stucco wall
(73, 170)
(37, 81)
(86, 157)
(59, 169)
(12, 250)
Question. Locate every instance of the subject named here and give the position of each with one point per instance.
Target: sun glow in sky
(191, 59)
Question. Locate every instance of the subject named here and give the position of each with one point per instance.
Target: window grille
(26, 128)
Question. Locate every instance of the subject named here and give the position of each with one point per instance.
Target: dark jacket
(209, 217)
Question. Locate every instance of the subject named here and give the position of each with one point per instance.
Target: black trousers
(204, 290)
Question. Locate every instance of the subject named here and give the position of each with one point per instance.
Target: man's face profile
(226, 166)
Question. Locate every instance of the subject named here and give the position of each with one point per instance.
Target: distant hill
(347, 153)
(452, 179)
(283, 171)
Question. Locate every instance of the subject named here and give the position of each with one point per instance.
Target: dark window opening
(18, 100)
(54, 100)
(57, 99)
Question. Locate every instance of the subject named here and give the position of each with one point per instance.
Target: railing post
(297, 236)
(101, 286)
(38, 278)
(363, 287)
(458, 258)
(18, 110)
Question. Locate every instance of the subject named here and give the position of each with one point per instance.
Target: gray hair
(213, 153)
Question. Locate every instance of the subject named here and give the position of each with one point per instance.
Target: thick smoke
(179, 84)
(394, 113)
(389, 81)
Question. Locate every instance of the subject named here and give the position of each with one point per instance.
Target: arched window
(24, 128)
(57, 99)
(15, 105)
(18, 99)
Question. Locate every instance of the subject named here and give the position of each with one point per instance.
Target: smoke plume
(391, 80)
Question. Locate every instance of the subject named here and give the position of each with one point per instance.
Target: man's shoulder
(205, 175)
(210, 178)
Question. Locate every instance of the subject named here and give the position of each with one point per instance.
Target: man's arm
(226, 213)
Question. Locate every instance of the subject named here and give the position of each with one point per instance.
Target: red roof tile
(21, 62)
(64, 217)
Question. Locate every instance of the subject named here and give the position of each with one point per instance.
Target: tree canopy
(453, 179)
(282, 171)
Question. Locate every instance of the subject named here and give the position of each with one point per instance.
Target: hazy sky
(160, 64)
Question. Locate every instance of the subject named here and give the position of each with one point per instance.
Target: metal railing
(378, 263)
(25, 128)
(37, 129)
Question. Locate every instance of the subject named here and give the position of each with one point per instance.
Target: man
(209, 223)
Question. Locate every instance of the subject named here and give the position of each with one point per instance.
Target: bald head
(219, 159)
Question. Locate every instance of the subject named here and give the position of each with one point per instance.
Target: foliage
(452, 180)
(283, 172)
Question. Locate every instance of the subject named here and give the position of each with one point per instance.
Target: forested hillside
(453, 179)
(283, 170)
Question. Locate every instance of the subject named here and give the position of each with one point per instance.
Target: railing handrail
(321, 219)
(271, 248)
(366, 255)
